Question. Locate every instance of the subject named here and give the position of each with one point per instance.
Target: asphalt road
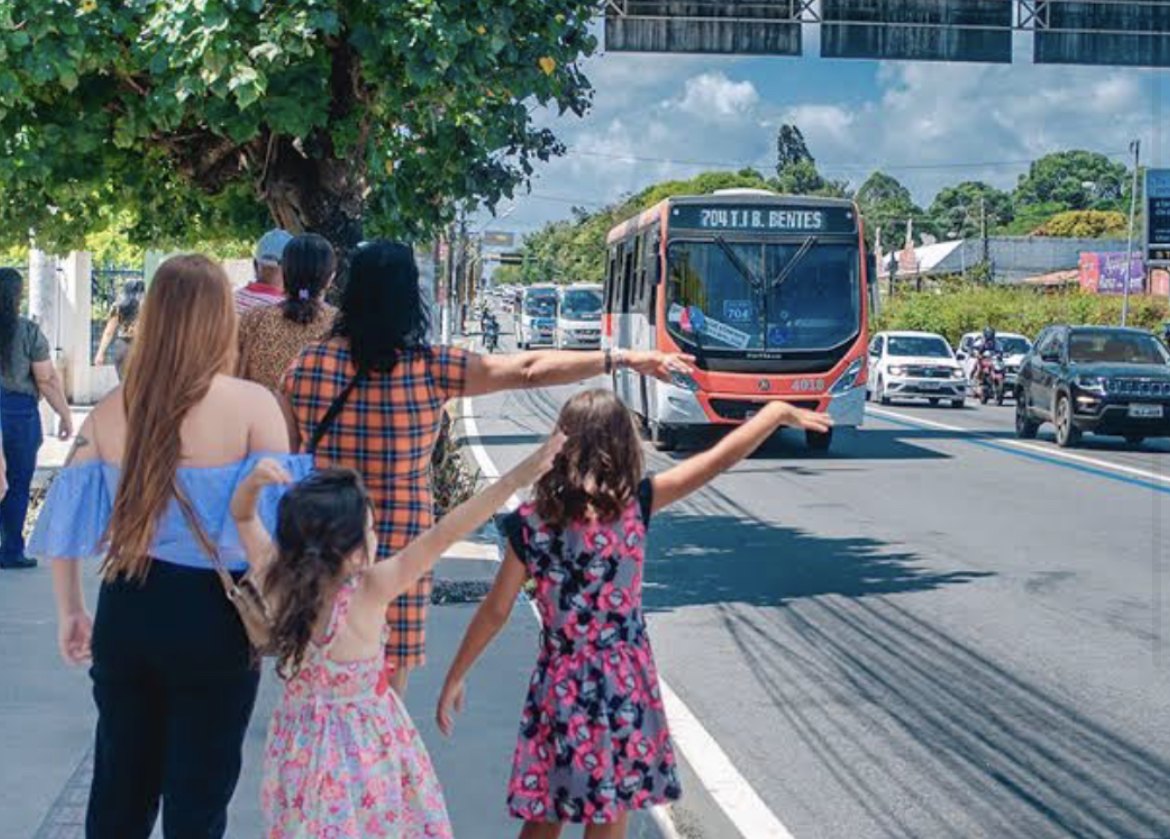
(933, 631)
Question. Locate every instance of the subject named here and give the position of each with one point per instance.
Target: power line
(987, 164)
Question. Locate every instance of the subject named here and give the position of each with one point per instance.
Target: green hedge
(957, 308)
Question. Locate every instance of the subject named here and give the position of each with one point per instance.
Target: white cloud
(714, 95)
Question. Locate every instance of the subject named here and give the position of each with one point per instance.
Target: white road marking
(740, 803)
(1023, 444)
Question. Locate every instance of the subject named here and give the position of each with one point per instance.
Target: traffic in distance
(773, 296)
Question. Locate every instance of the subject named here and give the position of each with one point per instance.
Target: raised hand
(660, 365)
(781, 413)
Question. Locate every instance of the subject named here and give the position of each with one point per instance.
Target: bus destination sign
(763, 218)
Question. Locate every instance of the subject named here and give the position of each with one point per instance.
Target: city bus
(770, 293)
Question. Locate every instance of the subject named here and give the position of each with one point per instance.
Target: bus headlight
(684, 381)
(848, 378)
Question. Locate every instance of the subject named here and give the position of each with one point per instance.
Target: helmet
(988, 333)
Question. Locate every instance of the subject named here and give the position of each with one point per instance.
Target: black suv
(1103, 380)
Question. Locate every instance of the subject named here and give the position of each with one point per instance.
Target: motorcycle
(991, 378)
(491, 335)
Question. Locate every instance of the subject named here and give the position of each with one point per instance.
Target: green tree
(957, 211)
(790, 148)
(1075, 180)
(802, 178)
(1086, 224)
(213, 118)
(886, 203)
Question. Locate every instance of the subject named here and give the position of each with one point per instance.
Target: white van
(579, 317)
(536, 321)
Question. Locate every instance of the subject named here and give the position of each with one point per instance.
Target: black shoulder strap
(334, 409)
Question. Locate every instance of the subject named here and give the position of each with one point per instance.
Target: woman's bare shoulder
(247, 397)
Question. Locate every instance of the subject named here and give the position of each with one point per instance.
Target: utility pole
(984, 238)
(1136, 148)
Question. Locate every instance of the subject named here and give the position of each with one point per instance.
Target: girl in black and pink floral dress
(594, 739)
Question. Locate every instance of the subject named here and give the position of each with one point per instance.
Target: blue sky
(927, 124)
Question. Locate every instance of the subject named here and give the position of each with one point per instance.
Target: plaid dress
(385, 432)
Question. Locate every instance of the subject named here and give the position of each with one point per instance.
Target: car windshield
(1115, 348)
(581, 304)
(1012, 345)
(923, 346)
(540, 305)
(745, 296)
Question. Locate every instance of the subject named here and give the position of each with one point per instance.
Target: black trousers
(175, 682)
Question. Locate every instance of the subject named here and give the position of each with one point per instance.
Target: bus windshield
(581, 304)
(540, 305)
(752, 296)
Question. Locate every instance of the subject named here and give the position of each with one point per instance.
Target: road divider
(1059, 457)
(728, 788)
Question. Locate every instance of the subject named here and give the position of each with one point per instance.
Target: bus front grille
(738, 409)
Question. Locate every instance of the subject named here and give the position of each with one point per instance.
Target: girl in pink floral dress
(343, 759)
(594, 740)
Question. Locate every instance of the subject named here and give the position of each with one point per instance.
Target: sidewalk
(46, 716)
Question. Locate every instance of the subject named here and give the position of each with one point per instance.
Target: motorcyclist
(985, 347)
(491, 332)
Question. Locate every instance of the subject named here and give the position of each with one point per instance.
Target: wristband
(608, 361)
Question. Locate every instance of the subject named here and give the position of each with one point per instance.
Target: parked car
(1014, 347)
(579, 317)
(915, 365)
(1103, 380)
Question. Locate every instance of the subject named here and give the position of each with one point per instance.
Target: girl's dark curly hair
(11, 286)
(382, 309)
(129, 302)
(308, 263)
(598, 471)
(321, 521)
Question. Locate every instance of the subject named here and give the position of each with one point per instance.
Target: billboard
(922, 30)
(1105, 32)
(499, 239)
(1106, 273)
(739, 27)
(1157, 236)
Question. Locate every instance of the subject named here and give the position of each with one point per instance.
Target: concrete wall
(1018, 257)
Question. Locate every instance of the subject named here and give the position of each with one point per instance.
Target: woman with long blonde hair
(147, 490)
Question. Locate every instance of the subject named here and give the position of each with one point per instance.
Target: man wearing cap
(268, 287)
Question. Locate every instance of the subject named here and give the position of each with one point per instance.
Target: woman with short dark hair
(271, 337)
(26, 374)
(119, 332)
(383, 387)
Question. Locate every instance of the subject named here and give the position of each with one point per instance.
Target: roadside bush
(958, 308)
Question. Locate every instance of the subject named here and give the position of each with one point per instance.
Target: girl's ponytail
(321, 522)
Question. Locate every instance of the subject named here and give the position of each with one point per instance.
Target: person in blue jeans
(26, 374)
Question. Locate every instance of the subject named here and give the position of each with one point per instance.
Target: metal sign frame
(1157, 188)
(1034, 16)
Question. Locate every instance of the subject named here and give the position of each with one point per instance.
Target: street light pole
(1136, 148)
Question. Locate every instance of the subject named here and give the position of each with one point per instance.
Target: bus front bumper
(679, 406)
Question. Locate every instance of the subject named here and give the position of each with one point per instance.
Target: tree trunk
(312, 195)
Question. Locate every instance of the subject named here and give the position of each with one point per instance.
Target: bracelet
(608, 361)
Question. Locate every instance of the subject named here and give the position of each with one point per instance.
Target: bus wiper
(739, 264)
(805, 247)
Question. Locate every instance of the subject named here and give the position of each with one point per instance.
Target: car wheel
(818, 441)
(1134, 440)
(958, 403)
(881, 392)
(1067, 434)
(1026, 427)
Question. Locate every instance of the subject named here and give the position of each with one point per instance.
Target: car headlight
(958, 374)
(1091, 384)
(848, 378)
(897, 371)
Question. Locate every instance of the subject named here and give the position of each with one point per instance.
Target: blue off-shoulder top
(81, 499)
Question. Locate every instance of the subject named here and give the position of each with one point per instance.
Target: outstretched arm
(254, 535)
(387, 580)
(494, 373)
(690, 475)
(107, 338)
(489, 619)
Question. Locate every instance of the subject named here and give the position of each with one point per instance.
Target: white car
(579, 318)
(1014, 347)
(915, 365)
